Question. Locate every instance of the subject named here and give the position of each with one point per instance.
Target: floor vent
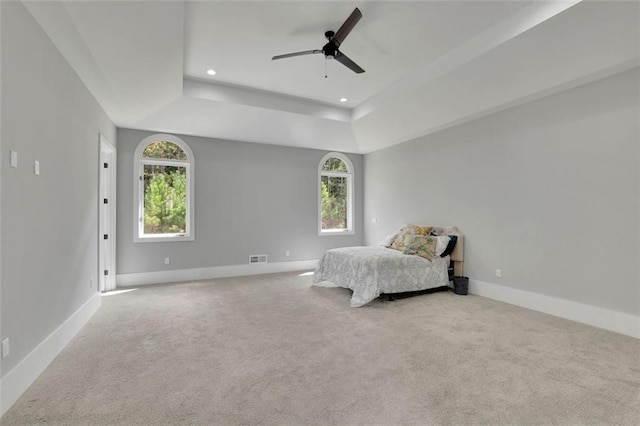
(257, 258)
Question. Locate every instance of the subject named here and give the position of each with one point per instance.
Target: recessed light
(211, 72)
(343, 99)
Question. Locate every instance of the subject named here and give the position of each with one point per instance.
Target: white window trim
(138, 191)
(350, 178)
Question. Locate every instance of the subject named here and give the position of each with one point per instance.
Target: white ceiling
(429, 64)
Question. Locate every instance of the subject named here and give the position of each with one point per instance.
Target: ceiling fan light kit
(335, 39)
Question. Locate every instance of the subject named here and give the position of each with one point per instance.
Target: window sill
(164, 239)
(335, 233)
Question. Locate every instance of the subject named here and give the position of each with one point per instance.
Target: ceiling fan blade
(347, 26)
(344, 60)
(289, 55)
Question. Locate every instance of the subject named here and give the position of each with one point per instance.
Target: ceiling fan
(330, 50)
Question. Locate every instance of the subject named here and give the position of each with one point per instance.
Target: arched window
(163, 190)
(335, 195)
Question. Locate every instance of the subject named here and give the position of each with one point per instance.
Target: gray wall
(49, 222)
(547, 191)
(1, 165)
(249, 199)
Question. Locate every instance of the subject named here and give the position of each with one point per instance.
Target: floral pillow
(420, 245)
(408, 230)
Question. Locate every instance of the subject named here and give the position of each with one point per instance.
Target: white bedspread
(371, 271)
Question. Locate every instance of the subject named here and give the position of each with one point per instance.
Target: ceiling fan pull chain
(325, 67)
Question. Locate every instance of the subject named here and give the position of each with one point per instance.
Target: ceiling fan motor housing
(330, 50)
(331, 47)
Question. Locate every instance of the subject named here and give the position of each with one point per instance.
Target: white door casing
(107, 216)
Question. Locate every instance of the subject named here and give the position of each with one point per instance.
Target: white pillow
(388, 240)
(442, 241)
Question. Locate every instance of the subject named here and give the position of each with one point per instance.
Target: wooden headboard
(457, 256)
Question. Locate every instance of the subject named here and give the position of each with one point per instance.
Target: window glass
(164, 149)
(334, 164)
(334, 202)
(165, 199)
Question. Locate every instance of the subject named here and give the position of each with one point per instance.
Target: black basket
(461, 285)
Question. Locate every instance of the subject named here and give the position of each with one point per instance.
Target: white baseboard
(618, 322)
(15, 382)
(180, 275)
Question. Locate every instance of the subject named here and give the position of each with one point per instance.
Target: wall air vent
(257, 258)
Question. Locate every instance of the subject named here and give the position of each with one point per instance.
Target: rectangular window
(334, 203)
(165, 200)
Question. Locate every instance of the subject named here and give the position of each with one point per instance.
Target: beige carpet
(272, 349)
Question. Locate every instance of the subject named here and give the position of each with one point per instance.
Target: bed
(375, 270)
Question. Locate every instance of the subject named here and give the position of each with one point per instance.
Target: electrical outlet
(167, 260)
(287, 253)
(5, 348)
(499, 273)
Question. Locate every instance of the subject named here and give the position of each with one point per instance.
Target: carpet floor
(275, 350)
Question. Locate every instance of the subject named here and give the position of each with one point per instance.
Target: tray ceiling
(429, 64)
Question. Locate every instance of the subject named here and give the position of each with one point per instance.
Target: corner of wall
(618, 322)
(15, 382)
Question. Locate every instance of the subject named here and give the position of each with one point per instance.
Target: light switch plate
(14, 159)
(36, 167)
